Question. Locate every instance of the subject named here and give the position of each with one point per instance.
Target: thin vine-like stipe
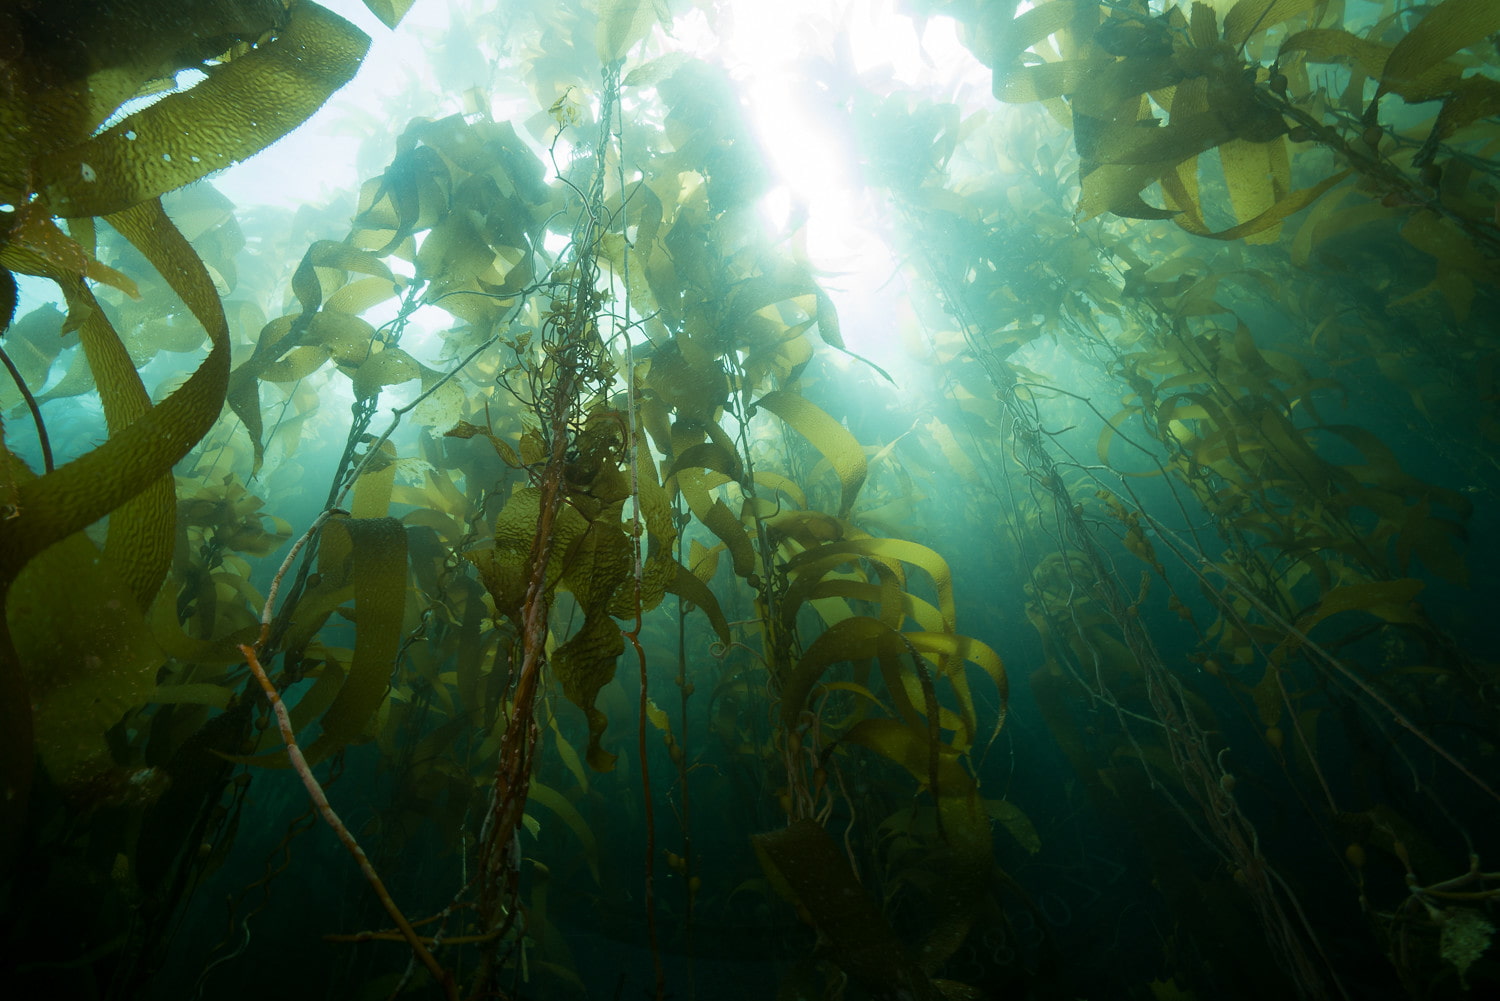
(1332, 662)
(637, 571)
(399, 412)
(36, 411)
(266, 612)
(320, 800)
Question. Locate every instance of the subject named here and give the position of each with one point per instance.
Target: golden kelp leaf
(35, 246)
(703, 562)
(388, 367)
(1258, 175)
(1387, 599)
(240, 109)
(1417, 68)
(1015, 822)
(655, 506)
(622, 23)
(86, 653)
(828, 436)
(690, 588)
(298, 363)
(952, 451)
(1036, 83)
(390, 12)
(784, 484)
(377, 570)
(718, 519)
(924, 614)
(955, 650)
(167, 632)
(892, 553)
(1326, 45)
(140, 536)
(1271, 217)
(1141, 156)
(910, 748)
(1472, 98)
(377, 479)
(80, 492)
(307, 284)
(857, 638)
(1011, 38)
(707, 455)
(585, 664)
(805, 865)
(1251, 16)
(569, 815)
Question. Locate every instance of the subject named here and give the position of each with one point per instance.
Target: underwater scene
(716, 500)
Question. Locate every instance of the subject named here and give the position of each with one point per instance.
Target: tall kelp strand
(571, 554)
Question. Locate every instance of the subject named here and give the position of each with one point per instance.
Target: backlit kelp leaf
(1253, 16)
(890, 552)
(71, 66)
(953, 650)
(1008, 39)
(1472, 98)
(1134, 159)
(82, 491)
(241, 108)
(389, 366)
(390, 12)
(622, 23)
(707, 455)
(828, 436)
(1417, 68)
(1039, 82)
(1258, 175)
(721, 521)
(377, 480)
(1326, 45)
(35, 246)
(337, 257)
(1271, 217)
(924, 614)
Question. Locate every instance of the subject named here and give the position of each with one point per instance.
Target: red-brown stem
(320, 800)
(286, 564)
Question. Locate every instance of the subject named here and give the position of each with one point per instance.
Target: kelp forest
(531, 569)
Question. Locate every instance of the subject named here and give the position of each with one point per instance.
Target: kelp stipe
(1186, 306)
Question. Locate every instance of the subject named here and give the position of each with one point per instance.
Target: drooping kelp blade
(81, 492)
(49, 508)
(827, 435)
(83, 671)
(377, 570)
(241, 108)
(811, 870)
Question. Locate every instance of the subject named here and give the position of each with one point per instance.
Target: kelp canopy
(503, 580)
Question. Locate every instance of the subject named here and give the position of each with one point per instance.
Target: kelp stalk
(36, 411)
(320, 800)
